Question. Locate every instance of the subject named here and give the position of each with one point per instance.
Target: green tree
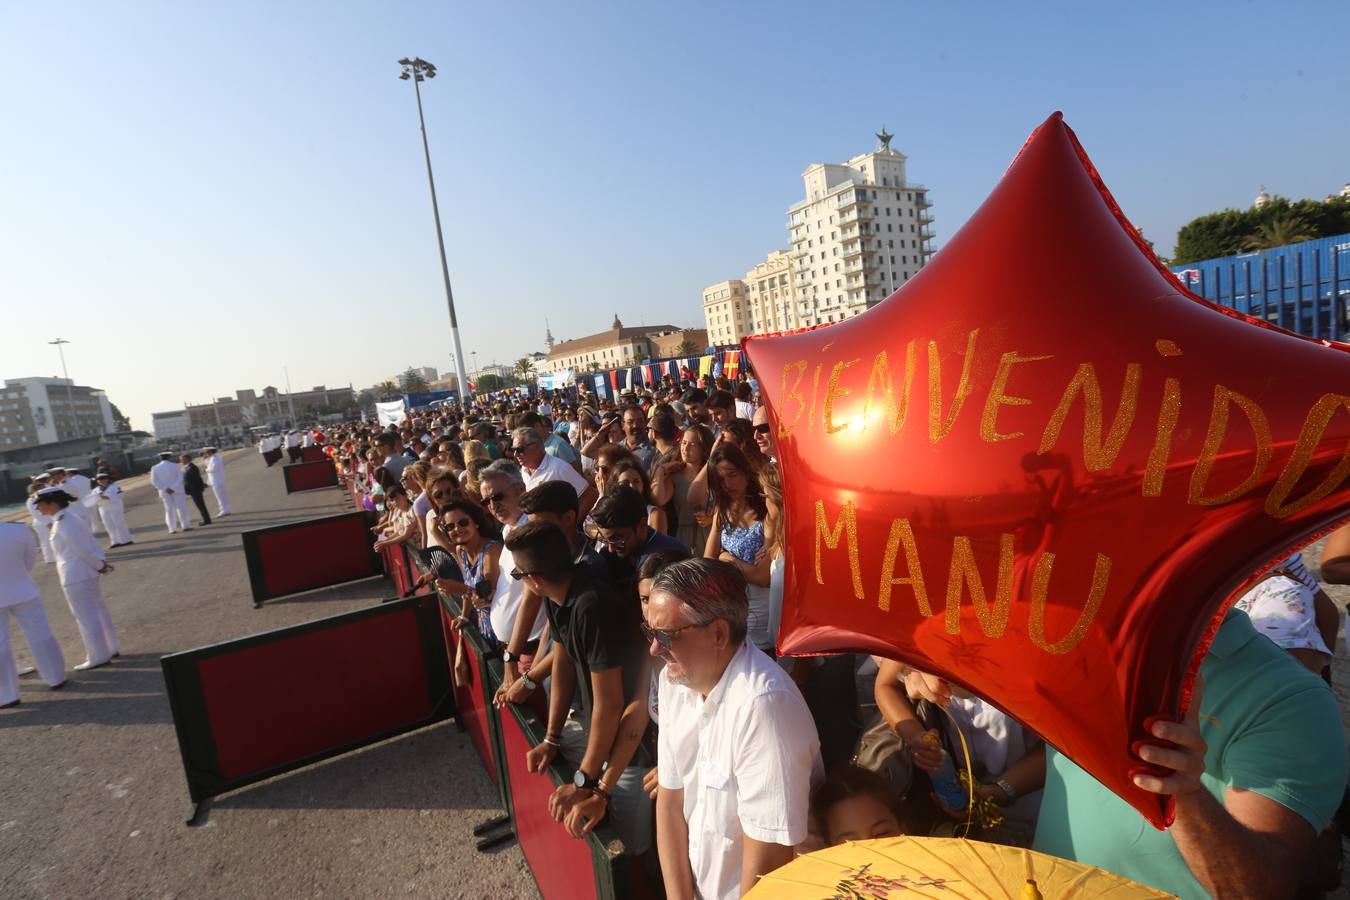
(687, 348)
(490, 382)
(1289, 228)
(412, 382)
(524, 366)
(386, 389)
(120, 422)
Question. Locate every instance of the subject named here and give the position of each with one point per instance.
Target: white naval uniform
(215, 476)
(78, 559)
(81, 488)
(166, 475)
(20, 598)
(110, 510)
(42, 526)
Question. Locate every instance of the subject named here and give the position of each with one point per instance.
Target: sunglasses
(491, 499)
(517, 574)
(615, 544)
(664, 637)
(516, 451)
(762, 428)
(440, 493)
(459, 523)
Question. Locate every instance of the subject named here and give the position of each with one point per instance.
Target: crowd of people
(626, 559)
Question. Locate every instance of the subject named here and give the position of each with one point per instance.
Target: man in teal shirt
(1257, 770)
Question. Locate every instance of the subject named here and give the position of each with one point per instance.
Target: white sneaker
(87, 665)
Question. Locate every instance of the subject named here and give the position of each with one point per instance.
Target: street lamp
(416, 70)
(70, 395)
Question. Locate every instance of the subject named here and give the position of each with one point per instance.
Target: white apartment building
(862, 231)
(48, 410)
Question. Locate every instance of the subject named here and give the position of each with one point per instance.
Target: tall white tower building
(862, 231)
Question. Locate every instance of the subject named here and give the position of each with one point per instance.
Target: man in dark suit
(194, 485)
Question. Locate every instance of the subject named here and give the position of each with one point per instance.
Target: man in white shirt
(537, 467)
(111, 511)
(167, 477)
(20, 598)
(293, 440)
(738, 752)
(215, 476)
(81, 488)
(42, 525)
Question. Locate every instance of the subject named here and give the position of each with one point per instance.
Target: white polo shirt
(554, 469)
(747, 757)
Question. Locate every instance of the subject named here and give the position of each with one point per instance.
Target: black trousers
(200, 500)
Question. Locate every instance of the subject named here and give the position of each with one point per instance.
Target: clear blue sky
(197, 198)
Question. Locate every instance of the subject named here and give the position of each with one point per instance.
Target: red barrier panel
(309, 476)
(253, 708)
(312, 454)
(301, 556)
(556, 859)
(473, 692)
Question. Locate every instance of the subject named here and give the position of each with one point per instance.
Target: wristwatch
(584, 781)
(530, 683)
(508, 656)
(1007, 789)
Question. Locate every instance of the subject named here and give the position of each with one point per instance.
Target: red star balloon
(1043, 470)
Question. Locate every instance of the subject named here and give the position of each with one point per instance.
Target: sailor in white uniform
(293, 445)
(79, 562)
(167, 477)
(215, 476)
(42, 525)
(82, 489)
(110, 510)
(20, 598)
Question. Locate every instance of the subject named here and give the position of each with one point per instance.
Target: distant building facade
(619, 347)
(232, 417)
(35, 411)
(861, 232)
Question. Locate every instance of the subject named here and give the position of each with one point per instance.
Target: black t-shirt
(599, 630)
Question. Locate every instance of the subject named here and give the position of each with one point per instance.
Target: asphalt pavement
(93, 802)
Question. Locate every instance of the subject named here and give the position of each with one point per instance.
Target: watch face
(579, 779)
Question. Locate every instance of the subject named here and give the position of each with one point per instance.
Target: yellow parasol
(948, 868)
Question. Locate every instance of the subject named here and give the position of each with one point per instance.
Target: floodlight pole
(415, 70)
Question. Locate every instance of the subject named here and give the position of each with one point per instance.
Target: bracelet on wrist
(552, 743)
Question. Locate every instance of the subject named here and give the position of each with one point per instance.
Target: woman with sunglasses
(474, 541)
(741, 433)
(443, 489)
(741, 530)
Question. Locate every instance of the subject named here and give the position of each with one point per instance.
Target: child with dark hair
(855, 804)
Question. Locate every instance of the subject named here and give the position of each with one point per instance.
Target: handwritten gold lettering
(1097, 454)
(997, 397)
(784, 426)
(815, 392)
(1040, 589)
(901, 534)
(880, 380)
(1314, 426)
(1168, 414)
(845, 527)
(993, 618)
(1218, 429)
(833, 392)
(938, 428)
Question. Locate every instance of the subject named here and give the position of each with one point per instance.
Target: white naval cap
(165, 454)
(50, 491)
(210, 449)
(42, 476)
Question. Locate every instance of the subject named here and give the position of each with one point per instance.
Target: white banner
(551, 381)
(389, 412)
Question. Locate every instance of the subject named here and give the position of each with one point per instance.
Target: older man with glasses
(537, 467)
(737, 751)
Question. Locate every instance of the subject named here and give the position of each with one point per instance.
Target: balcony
(853, 266)
(922, 201)
(798, 253)
(851, 251)
(925, 219)
(926, 234)
(795, 223)
(849, 199)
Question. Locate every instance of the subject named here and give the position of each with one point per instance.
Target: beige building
(621, 347)
(862, 232)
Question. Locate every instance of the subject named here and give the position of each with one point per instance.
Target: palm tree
(524, 366)
(387, 388)
(1279, 231)
(686, 348)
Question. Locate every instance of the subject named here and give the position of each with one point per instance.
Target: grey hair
(526, 435)
(503, 468)
(709, 589)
